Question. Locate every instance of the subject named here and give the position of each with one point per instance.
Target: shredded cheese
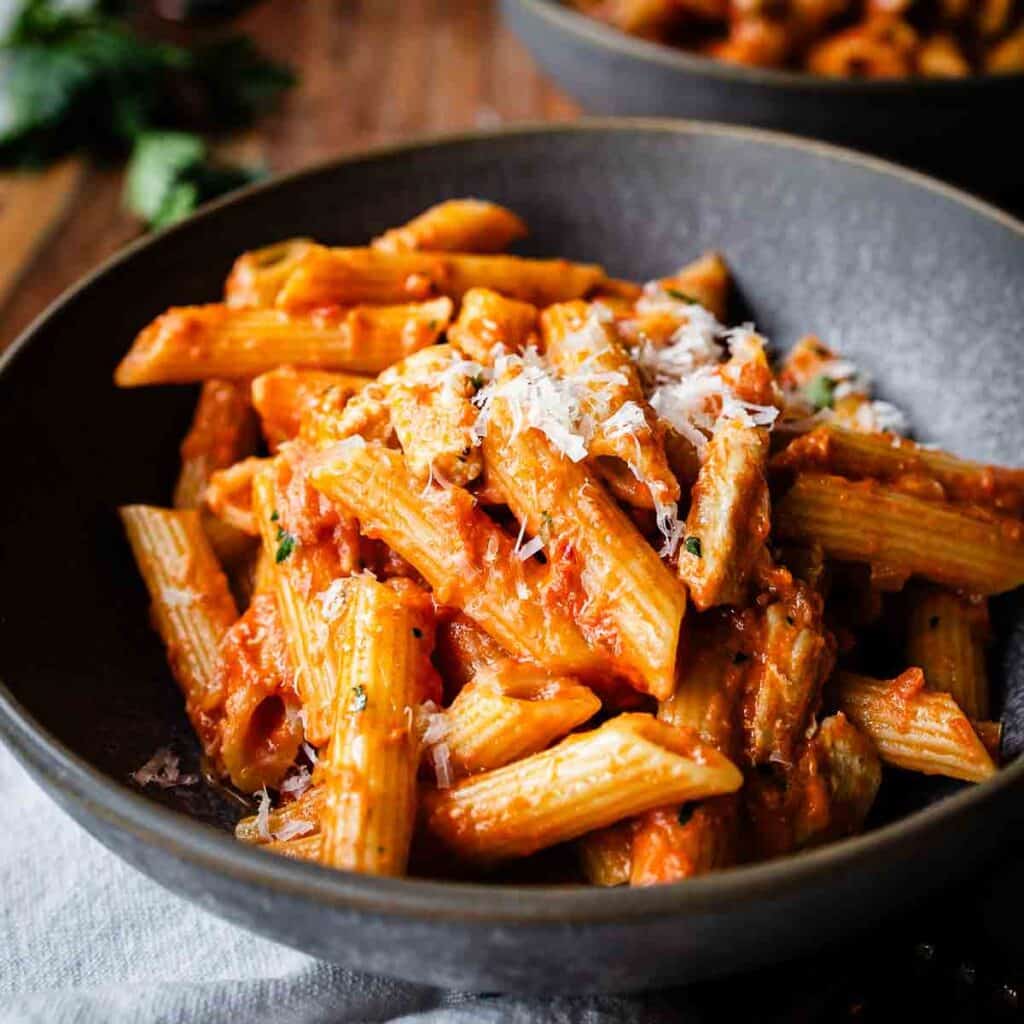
(163, 771)
(263, 815)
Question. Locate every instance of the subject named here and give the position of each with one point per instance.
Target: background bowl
(960, 128)
(917, 283)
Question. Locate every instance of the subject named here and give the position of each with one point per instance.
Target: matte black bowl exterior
(963, 128)
(919, 284)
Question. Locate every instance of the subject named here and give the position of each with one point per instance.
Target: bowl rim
(562, 18)
(181, 836)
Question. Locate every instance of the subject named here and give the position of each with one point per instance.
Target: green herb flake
(692, 545)
(417, 632)
(679, 296)
(686, 813)
(285, 545)
(821, 392)
(477, 380)
(358, 698)
(274, 516)
(546, 522)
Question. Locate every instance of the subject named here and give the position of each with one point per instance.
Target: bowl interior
(919, 287)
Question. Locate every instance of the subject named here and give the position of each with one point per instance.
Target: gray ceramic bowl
(918, 283)
(961, 128)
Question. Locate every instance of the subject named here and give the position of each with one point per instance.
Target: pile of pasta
(473, 555)
(836, 38)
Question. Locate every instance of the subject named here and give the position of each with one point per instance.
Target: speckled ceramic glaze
(956, 127)
(918, 284)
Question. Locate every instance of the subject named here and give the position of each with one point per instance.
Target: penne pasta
(258, 276)
(229, 494)
(629, 765)
(946, 637)
(331, 277)
(465, 557)
(456, 225)
(283, 396)
(706, 280)
(867, 522)
(625, 599)
(463, 649)
(606, 856)
(192, 606)
(488, 320)
(193, 343)
(915, 728)
(369, 769)
(299, 817)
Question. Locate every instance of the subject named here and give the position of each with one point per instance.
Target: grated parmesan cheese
(263, 815)
(530, 549)
(297, 783)
(441, 759)
(292, 829)
(163, 771)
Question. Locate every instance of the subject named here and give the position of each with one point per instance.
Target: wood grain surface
(371, 71)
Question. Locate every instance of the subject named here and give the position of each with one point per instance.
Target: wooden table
(371, 71)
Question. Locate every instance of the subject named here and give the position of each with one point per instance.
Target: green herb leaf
(358, 698)
(682, 296)
(477, 380)
(692, 545)
(274, 516)
(417, 632)
(285, 545)
(820, 392)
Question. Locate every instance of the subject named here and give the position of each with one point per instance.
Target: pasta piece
(940, 56)
(487, 320)
(229, 494)
(688, 839)
(193, 343)
(456, 225)
(284, 395)
(755, 40)
(585, 348)
(629, 765)
(879, 47)
(260, 731)
(510, 710)
(463, 649)
(868, 522)
(647, 18)
(328, 277)
(946, 637)
(792, 657)
(465, 557)
(192, 606)
(706, 280)
(367, 415)
(299, 817)
(915, 728)
(304, 848)
(836, 449)
(624, 596)
(258, 276)
(1007, 56)
(991, 735)
(429, 396)
(313, 550)
(729, 518)
(369, 770)
(606, 856)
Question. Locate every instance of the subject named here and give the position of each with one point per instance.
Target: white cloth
(84, 938)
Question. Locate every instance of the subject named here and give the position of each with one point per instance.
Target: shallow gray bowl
(959, 128)
(921, 285)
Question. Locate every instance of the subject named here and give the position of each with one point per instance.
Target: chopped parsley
(692, 545)
(477, 380)
(285, 545)
(686, 813)
(821, 392)
(358, 698)
(417, 632)
(682, 296)
(274, 516)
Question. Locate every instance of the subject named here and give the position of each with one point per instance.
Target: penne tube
(585, 348)
(868, 522)
(456, 225)
(429, 397)
(304, 848)
(625, 597)
(729, 517)
(283, 396)
(260, 729)
(606, 856)
(629, 765)
(706, 280)
(191, 343)
(229, 494)
(369, 769)
(331, 277)
(259, 275)
(488, 320)
(465, 557)
(192, 606)
(913, 727)
(463, 649)
(946, 636)
(313, 553)
(299, 817)
(806, 374)
(793, 655)
(509, 711)
(835, 449)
